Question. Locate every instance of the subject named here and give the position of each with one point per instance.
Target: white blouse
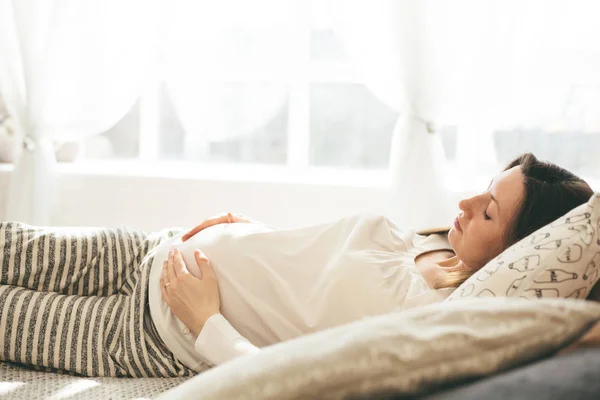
(276, 285)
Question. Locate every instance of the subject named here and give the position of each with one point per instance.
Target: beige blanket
(405, 353)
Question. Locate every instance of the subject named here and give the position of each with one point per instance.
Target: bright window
(319, 113)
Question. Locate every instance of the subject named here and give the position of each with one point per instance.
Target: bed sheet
(17, 382)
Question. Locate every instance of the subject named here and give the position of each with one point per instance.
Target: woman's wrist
(197, 328)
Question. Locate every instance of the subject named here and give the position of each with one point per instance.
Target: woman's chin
(453, 231)
(453, 235)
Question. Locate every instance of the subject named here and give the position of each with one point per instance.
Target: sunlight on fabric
(74, 388)
(7, 387)
(227, 32)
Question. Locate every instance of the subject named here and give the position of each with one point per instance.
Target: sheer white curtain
(68, 68)
(228, 65)
(476, 64)
(521, 60)
(390, 41)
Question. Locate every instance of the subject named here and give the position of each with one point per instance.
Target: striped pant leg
(56, 332)
(139, 347)
(89, 335)
(82, 335)
(82, 261)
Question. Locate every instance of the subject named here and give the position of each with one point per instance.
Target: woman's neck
(453, 264)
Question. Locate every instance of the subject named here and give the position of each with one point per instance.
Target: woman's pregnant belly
(274, 284)
(225, 246)
(251, 265)
(279, 284)
(262, 281)
(218, 243)
(222, 245)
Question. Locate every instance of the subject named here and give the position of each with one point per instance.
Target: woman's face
(479, 231)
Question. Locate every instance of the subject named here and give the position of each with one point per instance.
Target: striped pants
(75, 301)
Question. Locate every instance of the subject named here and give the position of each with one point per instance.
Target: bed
(571, 376)
(17, 382)
(504, 346)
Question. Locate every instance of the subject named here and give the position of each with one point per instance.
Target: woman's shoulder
(432, 239)
(379, 216)
(369, 217)
(443, 230)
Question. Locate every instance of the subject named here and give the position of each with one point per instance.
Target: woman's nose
(466, 206)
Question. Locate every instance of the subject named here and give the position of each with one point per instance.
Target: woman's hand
(228, 218)
(192, 300)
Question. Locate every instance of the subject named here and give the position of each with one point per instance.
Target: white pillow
(562, 259)
(405, 353)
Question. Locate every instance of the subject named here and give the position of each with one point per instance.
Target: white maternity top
(276, 285)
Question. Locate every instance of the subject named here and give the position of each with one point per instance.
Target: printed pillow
(562, 259)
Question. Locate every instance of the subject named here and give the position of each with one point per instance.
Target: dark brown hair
(550, 192)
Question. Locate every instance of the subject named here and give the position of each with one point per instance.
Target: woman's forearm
(219, 342)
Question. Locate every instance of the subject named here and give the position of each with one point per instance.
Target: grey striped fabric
(76, 301)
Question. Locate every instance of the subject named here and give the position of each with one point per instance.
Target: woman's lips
(457, 225)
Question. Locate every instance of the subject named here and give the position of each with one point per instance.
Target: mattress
(18, 382)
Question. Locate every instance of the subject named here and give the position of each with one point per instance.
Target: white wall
(154, 202)
(155, 197)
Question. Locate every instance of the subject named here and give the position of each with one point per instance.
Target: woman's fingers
(220, 219)
(164, 272)
(170, 270)
(193, 232)
(205, 224)
(163, 290)
(193, 301)
(179, 265)
(204, 265)
(163, 277)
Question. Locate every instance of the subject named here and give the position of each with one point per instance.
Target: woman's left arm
(196, 302)
(192, 300)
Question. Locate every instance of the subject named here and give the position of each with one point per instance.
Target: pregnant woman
(114, 302)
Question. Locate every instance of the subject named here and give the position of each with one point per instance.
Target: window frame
(307, 73)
